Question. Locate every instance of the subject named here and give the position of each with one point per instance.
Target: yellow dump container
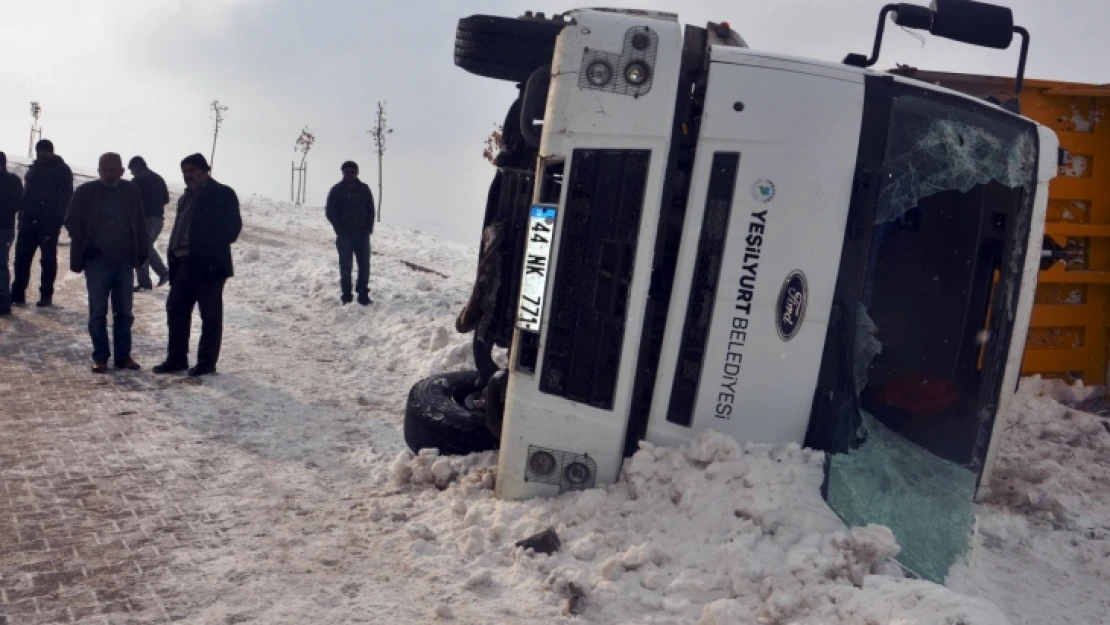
(1068, 333)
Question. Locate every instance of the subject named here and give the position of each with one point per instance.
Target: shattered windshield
(953, 186)
(935, 147)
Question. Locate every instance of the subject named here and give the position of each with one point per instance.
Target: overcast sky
(137, 77)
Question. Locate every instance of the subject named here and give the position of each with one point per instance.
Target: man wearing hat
(350, 209)
(155, 197)
(199, 254)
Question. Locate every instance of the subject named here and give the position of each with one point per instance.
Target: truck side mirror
(966, 21)
(977, 23)
(913, 16)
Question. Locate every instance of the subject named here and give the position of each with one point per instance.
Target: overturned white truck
(684, 234)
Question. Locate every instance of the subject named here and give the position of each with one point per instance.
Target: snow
(717, 532)
(1042, 548)
(307, 410)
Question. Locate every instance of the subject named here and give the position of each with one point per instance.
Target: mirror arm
(1021, 62)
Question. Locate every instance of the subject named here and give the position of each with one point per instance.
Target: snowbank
(1055, 464)
(1042, 545)
(715, 533)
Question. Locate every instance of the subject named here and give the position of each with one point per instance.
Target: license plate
(537, 253)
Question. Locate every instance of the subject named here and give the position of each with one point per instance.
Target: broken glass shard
(923, 499)
(935, 147)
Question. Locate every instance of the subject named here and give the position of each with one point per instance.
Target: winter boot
(202, 369)
(128, 364)
(169, 367)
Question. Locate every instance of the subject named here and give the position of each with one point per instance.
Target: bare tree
(36, 110)
(379, 131)
(304, 144)
(219, 110)
(494, 143)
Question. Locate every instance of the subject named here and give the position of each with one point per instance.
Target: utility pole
(36, 110)
(379, 132)
(219, 110)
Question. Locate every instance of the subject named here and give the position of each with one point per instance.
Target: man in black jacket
(199, 253)
(11, 198)
(350, 209)
(155, 197)
(48, 186)
(108, 234)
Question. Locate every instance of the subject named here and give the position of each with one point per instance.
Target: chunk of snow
(726, 612)
(481, 579)
(420, 531)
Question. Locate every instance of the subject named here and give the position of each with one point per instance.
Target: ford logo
(791, 306)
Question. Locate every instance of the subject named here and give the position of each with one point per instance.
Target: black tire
(505, 48)
(437, 417)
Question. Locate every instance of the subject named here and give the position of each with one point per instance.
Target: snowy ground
(307, 412)
(1042, 551)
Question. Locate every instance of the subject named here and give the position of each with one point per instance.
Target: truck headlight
(636, 73)
(542, 463)
(577, 473)
(599, 73)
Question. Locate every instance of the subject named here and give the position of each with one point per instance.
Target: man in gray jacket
(350, 209)
(108, 231)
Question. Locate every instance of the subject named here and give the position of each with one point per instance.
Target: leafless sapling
(218, 111)
(379, 132)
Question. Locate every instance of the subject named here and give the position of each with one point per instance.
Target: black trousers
(38, 236)
(357, 246)
(185, 293)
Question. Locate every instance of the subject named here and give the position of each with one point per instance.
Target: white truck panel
(800, 132)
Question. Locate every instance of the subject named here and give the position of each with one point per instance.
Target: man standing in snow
(155, 197)
(11, 197)
(105, 222)
(48, 186)
(350, 209)
(199, 254)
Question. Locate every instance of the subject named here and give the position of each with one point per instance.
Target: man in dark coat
(155, 197)
(11, 198)
(48, 186)
(350, 209)
(108, 232)
(199, 253)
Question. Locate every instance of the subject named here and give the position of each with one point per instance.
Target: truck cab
(687, 234)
